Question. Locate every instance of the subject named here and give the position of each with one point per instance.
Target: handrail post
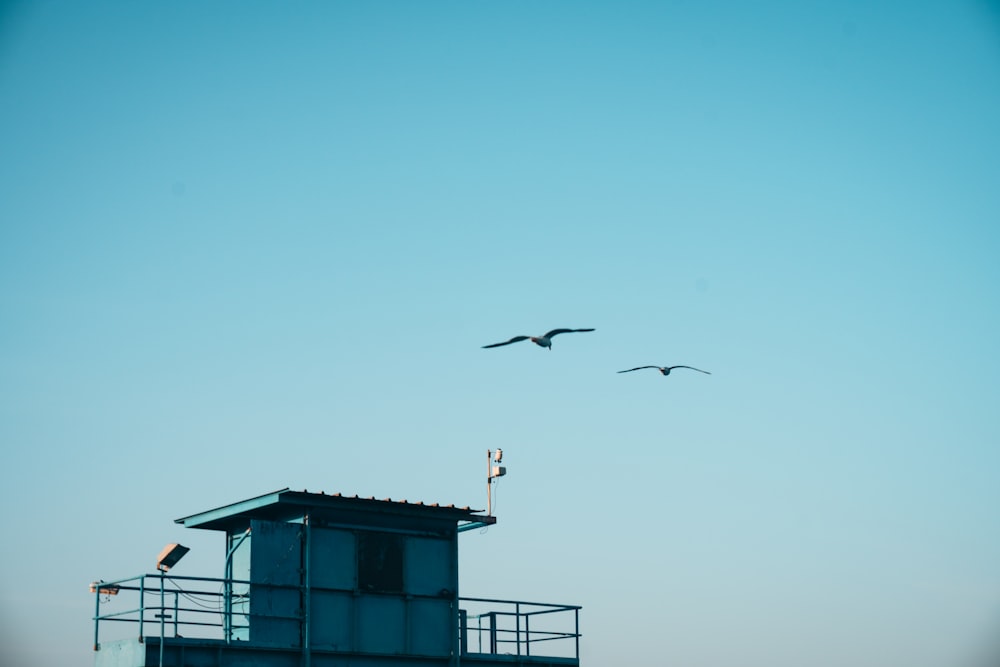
(177, 611)
(142, 605)
(162, 615)
(463, 630)
(493, 632)
(97, 617)
(576, 619)
(517, 624)
(527, 634)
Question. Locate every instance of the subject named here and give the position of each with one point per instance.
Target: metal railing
(218, 608)
(162, 606)
(515, 627)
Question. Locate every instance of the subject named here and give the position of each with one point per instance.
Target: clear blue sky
(252, 245)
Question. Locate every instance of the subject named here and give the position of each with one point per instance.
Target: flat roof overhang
(291, 506)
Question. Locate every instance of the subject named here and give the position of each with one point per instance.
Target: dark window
(380, 562)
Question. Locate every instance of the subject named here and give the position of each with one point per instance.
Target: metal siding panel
(430, 627)
(275, 559)
(331, 620)
(427, 566)
(333, 559)
(381, 624)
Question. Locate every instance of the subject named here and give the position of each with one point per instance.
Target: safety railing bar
(118, 582)
(139, 577)
(543, 611)
(568, 635)
(104, 617)
(184, 578)
(490, 614)
(184, 591)
(510, 631)
(157, 622)
(202, 624)
(186, 610)
(511, 602)
(550, 639)
(119, 613)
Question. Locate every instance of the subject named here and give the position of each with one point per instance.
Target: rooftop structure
(317, 580)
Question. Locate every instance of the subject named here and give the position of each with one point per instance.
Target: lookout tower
(317, 580)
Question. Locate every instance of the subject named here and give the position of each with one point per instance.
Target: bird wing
(691, 367)
(515, 339)
(555, 332)
(639, 368)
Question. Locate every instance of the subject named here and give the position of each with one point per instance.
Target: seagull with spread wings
(665, 370)
(542, 341)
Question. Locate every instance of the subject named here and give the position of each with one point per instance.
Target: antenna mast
(492, 472)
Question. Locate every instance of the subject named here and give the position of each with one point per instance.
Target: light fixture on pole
(166, 560)
(169, 556)
(103, 588)
(492, 473)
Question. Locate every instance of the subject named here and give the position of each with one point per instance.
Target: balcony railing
(507, 627)
(210, 608)
(196, 604)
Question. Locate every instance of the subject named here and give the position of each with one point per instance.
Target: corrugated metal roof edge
(304, 497)
(418, 503)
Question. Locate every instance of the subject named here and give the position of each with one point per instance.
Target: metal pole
(142, 605)
(306, 640)
(576, 618)
(459, 644)
(527, 634)
(97, 617)
(463, 624)
(227, 595)
(227, 612)
(163, 609)
(517, 617)
(493, 632)
(489, 481)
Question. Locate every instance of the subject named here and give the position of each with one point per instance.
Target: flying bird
(542, 341)
(665, 370)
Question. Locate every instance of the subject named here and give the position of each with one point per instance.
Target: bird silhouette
(665, 370)
(542, 341)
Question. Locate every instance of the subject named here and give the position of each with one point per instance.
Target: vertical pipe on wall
(458, 637)
(307, 601)
(227, 596)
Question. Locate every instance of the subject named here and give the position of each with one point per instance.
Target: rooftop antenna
(492, 473)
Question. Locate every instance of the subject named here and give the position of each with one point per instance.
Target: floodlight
(104, 589)
(498, 456)
(169, 556)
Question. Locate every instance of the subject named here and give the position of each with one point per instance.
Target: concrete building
(317, 580)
